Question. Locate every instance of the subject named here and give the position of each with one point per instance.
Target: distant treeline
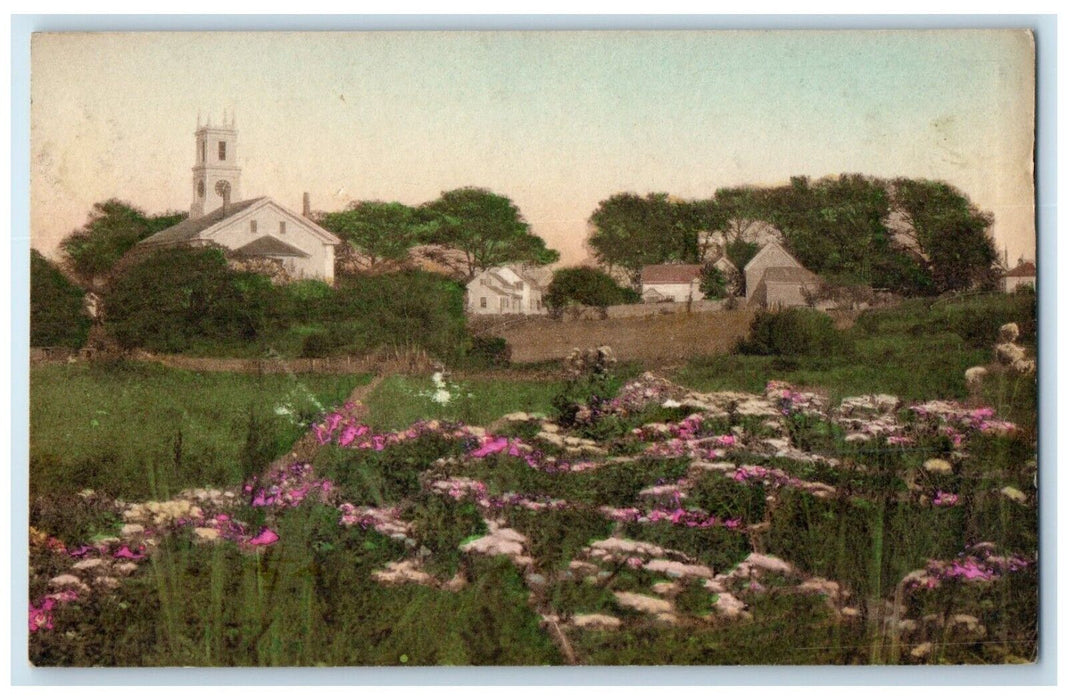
(914, 237)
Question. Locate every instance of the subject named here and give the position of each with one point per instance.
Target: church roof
(269, 246)
(189, 229)
(1024, 269)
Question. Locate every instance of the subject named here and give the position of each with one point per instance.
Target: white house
(251, 228)
(671, 282)
(507, 290)
(1023, 274)
(775, 279)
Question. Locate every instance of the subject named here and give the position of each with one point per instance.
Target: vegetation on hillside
(57, 307)
(913, 237)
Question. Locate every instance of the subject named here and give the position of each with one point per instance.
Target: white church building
(249, 228)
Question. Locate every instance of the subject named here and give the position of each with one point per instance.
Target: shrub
(488, 351)
(793, 333)
(57, 313)
(179, 295)
(316, 344)
(586, 286)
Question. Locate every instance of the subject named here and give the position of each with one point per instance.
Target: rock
(517, 417)
(535, 580)
(1024, 366)
(399, 572)
(643, 603)
(616, 545)
(729, 606)
(206, 534)
(582, 568)
(676, 569)
(552, 438)
(921, 651)
(766, 562)
(1008, 353)
(1008, 333)
(821, 586)
(938, 466)
(1014, 494)
(667, 618)
(455, 583)
(132, 529)
(665, 588)
(88, 564)
(974, 376)
(594, 621)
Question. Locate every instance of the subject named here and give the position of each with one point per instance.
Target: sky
(557, 121)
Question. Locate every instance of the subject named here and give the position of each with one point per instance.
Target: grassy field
(136, 429)
(776, 537)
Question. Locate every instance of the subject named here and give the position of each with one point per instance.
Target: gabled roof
(1024, 269)
(789, 275)
(767, 249)
(203, 227)
(670, 274)
(190, 229)
(269, 246)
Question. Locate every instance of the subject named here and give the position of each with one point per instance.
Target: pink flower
(347, 436)
(125, 553)
(266, 537)
(492, 447)
(41, 618)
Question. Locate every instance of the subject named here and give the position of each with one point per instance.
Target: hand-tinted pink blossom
(266, 537)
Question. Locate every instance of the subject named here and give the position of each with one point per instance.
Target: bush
(177, 296)
(793, 333)
(316, 344)
(57, 312)
(488, 351)
(586, 286)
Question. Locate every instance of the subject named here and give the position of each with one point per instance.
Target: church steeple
(216, 175)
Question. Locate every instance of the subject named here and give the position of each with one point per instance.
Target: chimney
(307, 206)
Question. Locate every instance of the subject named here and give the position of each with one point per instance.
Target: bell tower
(216, 175)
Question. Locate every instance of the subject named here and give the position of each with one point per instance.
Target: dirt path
(305, 449)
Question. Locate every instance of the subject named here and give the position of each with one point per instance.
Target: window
(482, 302)
(202, 146)
(504, 304)
(222, 150)
(281, 227)
(252, 226)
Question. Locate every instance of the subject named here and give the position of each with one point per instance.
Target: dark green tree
(949, 231)
(177, 296)
(713, 282)
(586, 286)
(486, 227)
(630, 231)
(113, 228)
(380, 230)
(57, 307)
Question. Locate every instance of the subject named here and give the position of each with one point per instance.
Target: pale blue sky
(557, 121)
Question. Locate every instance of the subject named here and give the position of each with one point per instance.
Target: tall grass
(138, 429)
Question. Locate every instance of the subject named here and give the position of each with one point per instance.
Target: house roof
(789, 275)
(670, 274)
(269, 246)
(190, 229)
(766, 250)
(1024, 269)
(202, 228)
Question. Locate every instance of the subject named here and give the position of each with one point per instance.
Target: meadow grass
(138, 430)
(400, 401)
(309, 599)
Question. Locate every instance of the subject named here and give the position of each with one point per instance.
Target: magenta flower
(266, 537)
(125, 553)
(41, 618)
